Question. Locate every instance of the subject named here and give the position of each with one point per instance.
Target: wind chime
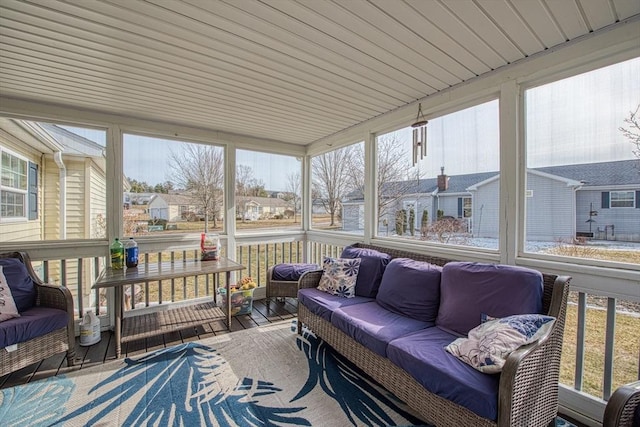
(419, 136)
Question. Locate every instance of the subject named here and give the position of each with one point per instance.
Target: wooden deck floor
(263, 312)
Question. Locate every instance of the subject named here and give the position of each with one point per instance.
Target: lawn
(627, 350)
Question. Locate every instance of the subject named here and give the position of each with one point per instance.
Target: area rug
(265, 376)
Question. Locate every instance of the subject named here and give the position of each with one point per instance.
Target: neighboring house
(610, 191)
(53, 187)
(172, 207)
(262, 207)
(47, 169)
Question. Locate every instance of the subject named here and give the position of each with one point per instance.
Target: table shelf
(170, 320)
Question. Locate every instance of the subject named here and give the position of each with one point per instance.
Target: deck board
(105, 351)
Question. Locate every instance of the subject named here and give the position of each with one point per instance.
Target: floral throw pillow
(490, 343)
(339, 276)
(8, 308)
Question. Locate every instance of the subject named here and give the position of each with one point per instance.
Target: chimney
(443, 180)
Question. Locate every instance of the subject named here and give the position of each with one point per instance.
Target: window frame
(7, 189)
(633, 199)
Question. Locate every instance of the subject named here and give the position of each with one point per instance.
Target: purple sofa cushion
(22, 288)
(324, 304)
(411, 288)
(373, 326)
(372, 267)
(471, 289)
(32, 323)
(291, 272)
(422, 355)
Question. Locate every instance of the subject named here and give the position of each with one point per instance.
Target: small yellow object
(247, 283)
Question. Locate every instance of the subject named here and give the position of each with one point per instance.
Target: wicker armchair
(623, 406)
(41, 347)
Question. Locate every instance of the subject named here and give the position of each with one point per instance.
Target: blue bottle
(131, 253)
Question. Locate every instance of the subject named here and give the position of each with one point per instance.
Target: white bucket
(89, 329)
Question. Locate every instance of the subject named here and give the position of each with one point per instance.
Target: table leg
(228, 300)
(118, 318)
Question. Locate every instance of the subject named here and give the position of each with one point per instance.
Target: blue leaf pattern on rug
(338, 379)
(187, 370)
(17, 406)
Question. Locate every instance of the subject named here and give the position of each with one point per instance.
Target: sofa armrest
(529, 378)
(622, 406)
(310, 279)
(54, 296)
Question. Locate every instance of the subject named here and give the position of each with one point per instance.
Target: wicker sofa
(44, 329)
(527, 392)
(623, 407)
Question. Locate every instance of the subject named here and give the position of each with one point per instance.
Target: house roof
(173, 199)
(73, 144)
(281, 70)
(622, 172)
(265, 201)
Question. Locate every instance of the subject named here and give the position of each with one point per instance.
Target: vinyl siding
(486, 210)
(97, 201)
(551, 209)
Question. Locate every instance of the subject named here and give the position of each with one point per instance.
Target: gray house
(598, 200)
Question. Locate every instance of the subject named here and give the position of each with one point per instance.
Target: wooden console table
(166, 319)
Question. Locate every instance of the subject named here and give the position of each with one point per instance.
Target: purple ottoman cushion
(423, 356)
(324, 304)
(372, 266)
(291, 272)
(32, 323)
(411, 288)
(470, 289)
(22, 288)
(373, 326)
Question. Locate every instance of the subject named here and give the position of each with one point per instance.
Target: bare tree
(244, 183)
(633, 131)
(392, 173)
(199, 169)
(292, 192)
(331, 178)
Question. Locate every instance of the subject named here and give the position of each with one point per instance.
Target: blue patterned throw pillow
(489, 344)
(339, 276)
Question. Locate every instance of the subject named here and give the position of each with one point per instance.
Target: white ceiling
(293, 71)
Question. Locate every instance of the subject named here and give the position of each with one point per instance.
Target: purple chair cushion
(372, 267)
(32, 323)
(411, 288)
(22, 288)
(423, 356)
(470, 290)
(324, 304)
(291, 272)
(373, 326)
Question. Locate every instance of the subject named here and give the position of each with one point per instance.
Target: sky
(570, 121)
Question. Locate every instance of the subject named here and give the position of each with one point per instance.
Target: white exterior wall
(550, 211)
(485, 205)
(158, 208)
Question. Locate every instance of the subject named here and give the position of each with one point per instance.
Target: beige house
(51, 168)
(172, 207)
(262, 207)
(46, 168)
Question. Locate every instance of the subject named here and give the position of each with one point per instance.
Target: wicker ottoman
(282, 279)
